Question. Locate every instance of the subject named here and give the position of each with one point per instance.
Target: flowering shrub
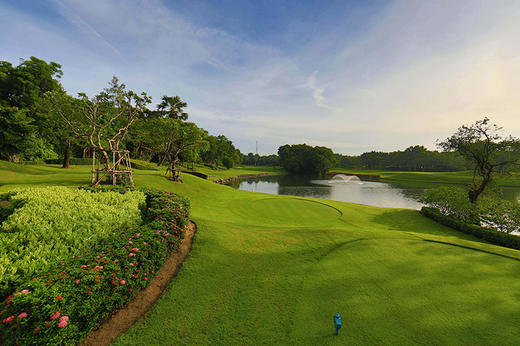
(65, 302)
(53, 223)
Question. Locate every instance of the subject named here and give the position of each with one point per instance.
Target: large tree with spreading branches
(483, 145)
(103, 120)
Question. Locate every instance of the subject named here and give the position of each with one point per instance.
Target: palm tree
(172, 107)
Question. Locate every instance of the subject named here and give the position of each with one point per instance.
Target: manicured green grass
(270, 269)
(429, 179)
(214, 174)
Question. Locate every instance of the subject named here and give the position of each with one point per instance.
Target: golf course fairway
(268, 269)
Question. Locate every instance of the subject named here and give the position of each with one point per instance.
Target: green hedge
(487, 234)
(64, 302)
(51, 223)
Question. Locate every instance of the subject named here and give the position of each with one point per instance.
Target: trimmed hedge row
(63, 304)
(487, 234)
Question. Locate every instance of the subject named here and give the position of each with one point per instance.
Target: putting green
(283, 211)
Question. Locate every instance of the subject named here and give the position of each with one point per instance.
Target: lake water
(363, 192)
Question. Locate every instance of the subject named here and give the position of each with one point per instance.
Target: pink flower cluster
(64, 320)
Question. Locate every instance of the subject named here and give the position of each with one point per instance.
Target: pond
(347, 190)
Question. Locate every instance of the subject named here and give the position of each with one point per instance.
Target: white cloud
(412, 74)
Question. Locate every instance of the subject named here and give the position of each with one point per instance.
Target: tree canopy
(482, 144)
(305, 159)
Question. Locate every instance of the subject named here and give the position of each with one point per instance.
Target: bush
(53, 223)
(6, 206)
(65, 302)
(452, 201)
(490, 235)
(490, 210)
(500, 214)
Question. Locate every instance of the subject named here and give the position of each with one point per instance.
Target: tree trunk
(66, 158)
(474, 191)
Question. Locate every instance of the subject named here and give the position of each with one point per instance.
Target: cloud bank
(354, 78)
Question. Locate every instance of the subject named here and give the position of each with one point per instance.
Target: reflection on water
(365, 192)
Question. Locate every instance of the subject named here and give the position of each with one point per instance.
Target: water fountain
(345, 179)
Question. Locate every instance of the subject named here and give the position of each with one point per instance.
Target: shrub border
(51, 296)
(490, 235)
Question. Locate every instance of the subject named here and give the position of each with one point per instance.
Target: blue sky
(351, 75)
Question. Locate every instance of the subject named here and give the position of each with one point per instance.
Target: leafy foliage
(221, 152)
(490, 210)
(22, 90)
(451, 201)
(53, 223)
(500, 214)
(264, 160)
(305, 159)
(487, 234)
(482, 144)
(172, 107)
(63, 303)
(415, 158)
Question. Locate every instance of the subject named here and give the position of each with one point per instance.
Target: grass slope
(427, 179)
(214, 174)
(274, 269)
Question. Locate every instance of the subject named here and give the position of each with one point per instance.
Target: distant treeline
(257, 160)
(416, 158)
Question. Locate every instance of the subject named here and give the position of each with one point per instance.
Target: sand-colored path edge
(128, 315)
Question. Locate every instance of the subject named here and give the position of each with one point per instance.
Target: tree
(221, 152)
(305, 159)
(16, 130)
(104, 120)
(177, 137)
(486, 149)
(22, 90)
(55, 129)
(172, 107)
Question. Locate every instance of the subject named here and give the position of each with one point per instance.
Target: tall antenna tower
(257, 147)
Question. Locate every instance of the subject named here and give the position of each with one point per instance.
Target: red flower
(56, 315)
(59, 297)
(22, 315)
(8, 319)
